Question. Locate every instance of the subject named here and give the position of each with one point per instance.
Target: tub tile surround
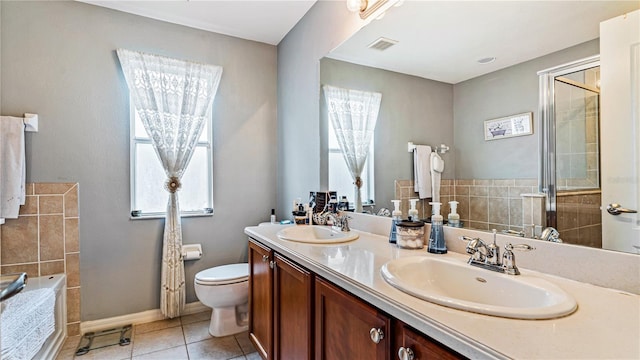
(44, 240)
(513, 204)
(502, 204)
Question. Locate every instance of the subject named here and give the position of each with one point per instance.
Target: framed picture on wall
(508, 126)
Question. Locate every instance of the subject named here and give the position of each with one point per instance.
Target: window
(340, 177)
(148, 195)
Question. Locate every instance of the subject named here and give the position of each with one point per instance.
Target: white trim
(137, 318)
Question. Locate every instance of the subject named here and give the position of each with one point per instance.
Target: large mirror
(444, 70)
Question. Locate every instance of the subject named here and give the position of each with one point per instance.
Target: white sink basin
(455, 284)
(316, 234)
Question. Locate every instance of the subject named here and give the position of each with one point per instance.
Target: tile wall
(577, 116)
(483, 204)
(44, 240)
(579, 218)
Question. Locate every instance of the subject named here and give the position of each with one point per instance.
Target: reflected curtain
(353, 114)
(172, 98)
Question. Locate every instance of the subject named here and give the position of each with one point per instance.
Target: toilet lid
(225, 274)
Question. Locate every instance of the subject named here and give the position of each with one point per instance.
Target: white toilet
(225, 289)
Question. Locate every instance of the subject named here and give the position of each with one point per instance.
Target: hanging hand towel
(437, 167)
(12, 166)
(421, 171)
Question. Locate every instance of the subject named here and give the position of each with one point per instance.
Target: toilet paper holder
(192, 252)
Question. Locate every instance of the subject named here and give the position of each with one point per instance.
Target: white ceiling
(266, 21)
(442, 40)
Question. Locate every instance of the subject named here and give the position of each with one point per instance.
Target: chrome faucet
(513, 232)
(550, 234)
(340, 220)
(487, 256)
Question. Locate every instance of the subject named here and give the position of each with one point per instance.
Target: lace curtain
(172, 98)
(353, 114)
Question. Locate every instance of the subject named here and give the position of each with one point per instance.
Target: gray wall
(501, 93)
(58, 60)
(412, 109)
(322, 29)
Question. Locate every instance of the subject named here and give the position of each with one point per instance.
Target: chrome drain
(481, 280)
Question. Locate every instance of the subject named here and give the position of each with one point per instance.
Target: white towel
(28, 319)
(12, 166)
(421, 171)
(437, 167)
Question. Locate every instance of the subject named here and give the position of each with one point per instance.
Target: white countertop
(605, 326)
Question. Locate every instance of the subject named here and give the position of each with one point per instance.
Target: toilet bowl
(225, 289)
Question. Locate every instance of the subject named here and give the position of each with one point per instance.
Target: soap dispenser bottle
(396, 217)
(436, 237)
(413, 212)
(454, 218)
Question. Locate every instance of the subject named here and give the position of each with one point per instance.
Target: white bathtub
(54, 343)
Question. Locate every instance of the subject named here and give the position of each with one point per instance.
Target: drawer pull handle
(376, 335)
(265, 258)
(405, 353)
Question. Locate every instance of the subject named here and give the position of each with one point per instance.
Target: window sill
(150, 216)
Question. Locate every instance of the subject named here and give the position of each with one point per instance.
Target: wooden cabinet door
(293, 309)
(261, 299)
(343, 325)
(421, 347)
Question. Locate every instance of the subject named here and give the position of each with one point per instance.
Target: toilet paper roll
(192, 255)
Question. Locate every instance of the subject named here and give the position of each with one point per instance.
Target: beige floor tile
(175, 353)
(69, 347)
(113, 352)
(196, 332)
(157, 340)
(214, 349)
(201, 316)
(71, 342)
(245, 344)
(66, 354)
(254, 356)
(157, 325)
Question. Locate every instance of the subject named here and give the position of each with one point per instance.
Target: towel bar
(440, 149)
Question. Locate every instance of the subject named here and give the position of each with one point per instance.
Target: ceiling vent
(382, 44)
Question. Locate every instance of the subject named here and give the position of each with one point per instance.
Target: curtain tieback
(172, 184)
(358, 182)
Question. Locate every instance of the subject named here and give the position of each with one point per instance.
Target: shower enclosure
(570, 173)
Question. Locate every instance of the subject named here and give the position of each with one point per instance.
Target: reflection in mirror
(570, 162)
(353, 116)
(435, 91)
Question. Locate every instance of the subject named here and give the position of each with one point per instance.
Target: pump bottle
(396, 216)
(453, 218)
(413, 212)
(436, 237)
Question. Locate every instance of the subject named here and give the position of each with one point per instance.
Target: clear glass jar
(410, 234)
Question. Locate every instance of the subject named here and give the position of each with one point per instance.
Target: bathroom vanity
(331, 301)
(289, 322)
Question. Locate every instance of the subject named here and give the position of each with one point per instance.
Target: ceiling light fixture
(487, 60)
(356, 5)
(367, 8)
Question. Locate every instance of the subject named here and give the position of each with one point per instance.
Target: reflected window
(340, 179)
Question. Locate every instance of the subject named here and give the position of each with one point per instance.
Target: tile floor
(184, 338)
